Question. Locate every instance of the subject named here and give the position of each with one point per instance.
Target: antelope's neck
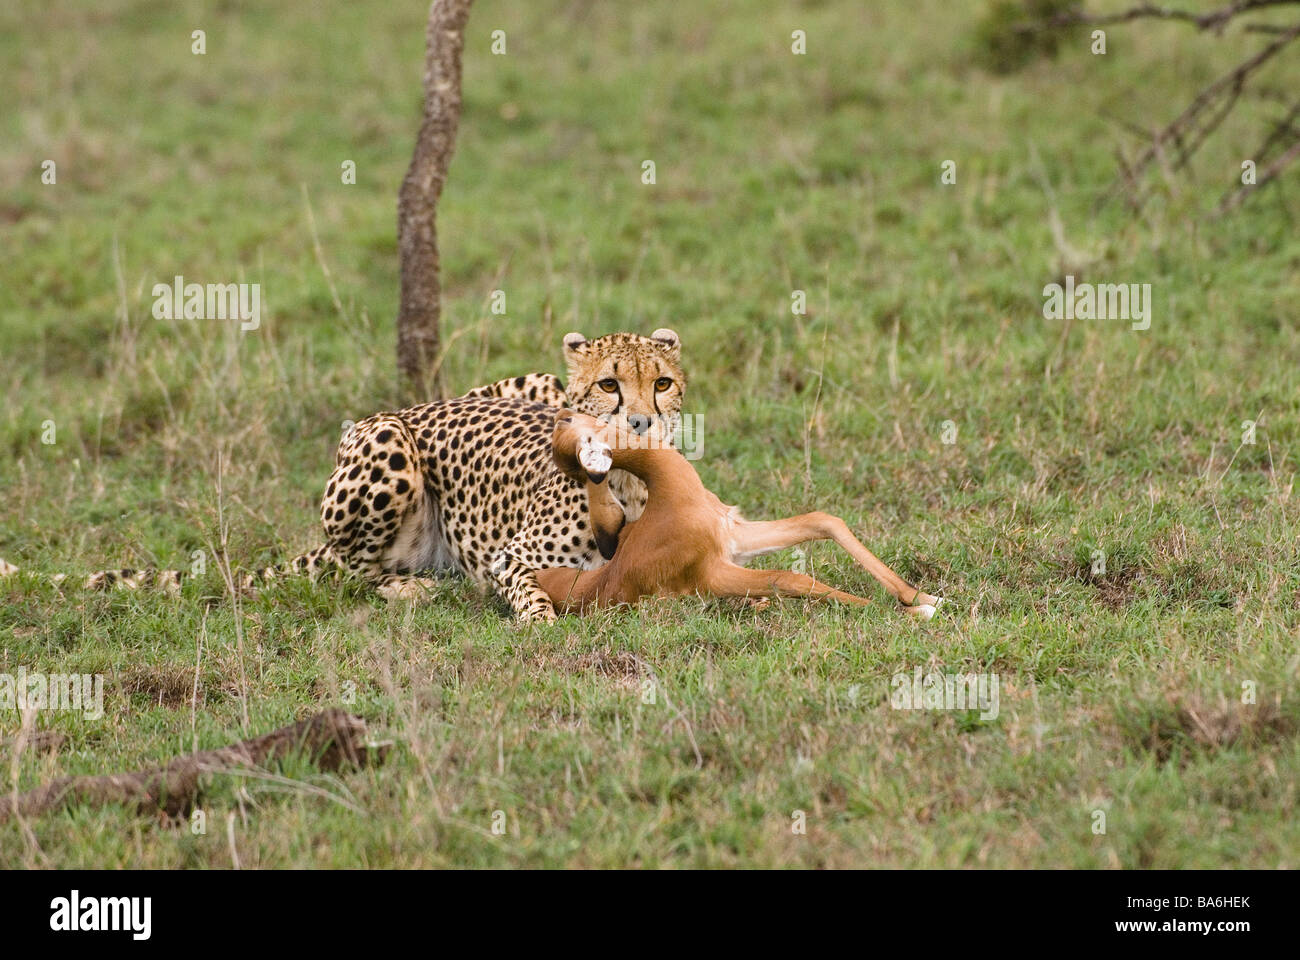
(656, 468)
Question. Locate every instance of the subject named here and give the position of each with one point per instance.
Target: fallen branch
(333, 738)
(40, 741)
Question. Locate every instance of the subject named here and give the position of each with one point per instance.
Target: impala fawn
(688, 541)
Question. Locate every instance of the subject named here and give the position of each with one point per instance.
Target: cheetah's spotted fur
(469, 485)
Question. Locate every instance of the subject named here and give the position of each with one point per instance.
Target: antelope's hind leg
(755, 538)
(730, 580)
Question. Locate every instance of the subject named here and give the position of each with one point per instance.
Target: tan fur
(635, 364)
(688, 541)
(636, 367)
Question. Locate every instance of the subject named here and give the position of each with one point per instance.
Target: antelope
(687, 541)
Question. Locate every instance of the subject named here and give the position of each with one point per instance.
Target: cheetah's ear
(669, 340)
(576, 350)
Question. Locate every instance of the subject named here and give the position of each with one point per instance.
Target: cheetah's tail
(313, 563)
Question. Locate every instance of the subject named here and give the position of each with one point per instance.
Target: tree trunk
(417, 203)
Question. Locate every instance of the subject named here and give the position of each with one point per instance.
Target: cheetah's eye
(609, 384)
(663, 383)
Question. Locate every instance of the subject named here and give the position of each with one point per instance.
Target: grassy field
(1121, 691)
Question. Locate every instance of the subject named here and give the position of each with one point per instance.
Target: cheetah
(468, 485)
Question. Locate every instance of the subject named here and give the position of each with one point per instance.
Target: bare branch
(1233, 200)
(1282, 129)
(1212, 20)
(1190, 128)
(1201, 118)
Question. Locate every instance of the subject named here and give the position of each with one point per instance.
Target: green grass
(1120, 692)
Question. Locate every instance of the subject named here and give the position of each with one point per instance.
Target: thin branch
(1283, 128)
(1235, 199)
(1199, 136)
(1212, 20)
(1201, 118)
(1189, 123)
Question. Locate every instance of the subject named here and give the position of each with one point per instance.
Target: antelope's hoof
(595, 458)
(925, 610)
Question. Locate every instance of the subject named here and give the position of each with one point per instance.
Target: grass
(1121, 691)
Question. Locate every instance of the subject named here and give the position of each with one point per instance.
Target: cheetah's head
(635, 379)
